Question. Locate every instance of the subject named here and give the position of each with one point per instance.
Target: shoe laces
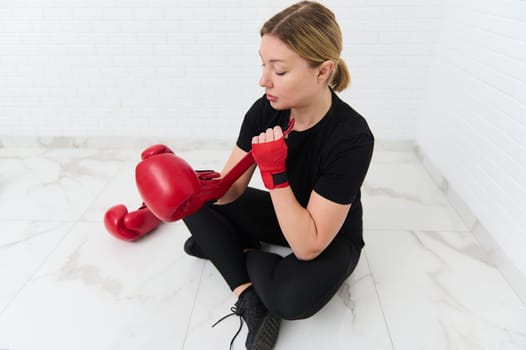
(235, 312)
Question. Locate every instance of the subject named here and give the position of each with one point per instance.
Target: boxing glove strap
(280, 179)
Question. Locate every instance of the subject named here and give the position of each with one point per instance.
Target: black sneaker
(191, 248)
(263, 326)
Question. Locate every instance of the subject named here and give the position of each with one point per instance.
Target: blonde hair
(310, 29)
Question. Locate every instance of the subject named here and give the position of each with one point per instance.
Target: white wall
(174, 68)
(189, 69)
(473, 124)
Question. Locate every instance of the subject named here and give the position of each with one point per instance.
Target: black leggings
(290, 288)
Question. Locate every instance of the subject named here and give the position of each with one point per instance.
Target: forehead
(272, 49)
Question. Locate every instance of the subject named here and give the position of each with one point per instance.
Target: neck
(310, 114)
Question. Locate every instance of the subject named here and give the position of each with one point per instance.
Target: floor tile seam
(443, 187)
(399, 230)
(493, 245)
(100, 192)
(35, 270)
(194, 302)
(39, 220)
(34, 236)
(498, 266)
(379, 301)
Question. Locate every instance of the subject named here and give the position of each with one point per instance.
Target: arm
(307, 230)
(241, 184)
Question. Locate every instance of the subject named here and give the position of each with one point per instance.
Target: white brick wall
(172, 68)
(473, 125)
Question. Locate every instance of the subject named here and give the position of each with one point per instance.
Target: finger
(255, 139)
(278, 133)
(262, 137)
(270, 135)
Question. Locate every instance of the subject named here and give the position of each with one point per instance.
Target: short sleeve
(258, 118)
(249, 126)
(343, 168)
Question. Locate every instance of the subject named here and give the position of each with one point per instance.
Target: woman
(313, 176)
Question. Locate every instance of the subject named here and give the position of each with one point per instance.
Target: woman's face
(289, 81)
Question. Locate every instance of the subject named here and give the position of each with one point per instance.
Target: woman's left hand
(270, 153)
(270, 135)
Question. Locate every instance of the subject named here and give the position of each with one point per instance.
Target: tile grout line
(37, 268)
(100, 192)
(500, 263)
(44, 260)
(379, 301)
(193, 305)
(412, 229)
(499, 268)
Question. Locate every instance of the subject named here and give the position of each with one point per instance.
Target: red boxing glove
(173, 190)
(154, 150)
(165, 182)
(271, 158)
(130, 226)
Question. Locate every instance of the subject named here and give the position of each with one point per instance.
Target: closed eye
(280, 74)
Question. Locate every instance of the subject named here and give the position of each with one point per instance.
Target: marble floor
(423, 280)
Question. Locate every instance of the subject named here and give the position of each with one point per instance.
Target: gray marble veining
(424, 280)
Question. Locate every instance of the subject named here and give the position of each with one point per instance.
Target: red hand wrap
(271, 158)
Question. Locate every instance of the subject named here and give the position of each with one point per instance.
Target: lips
(271, 98)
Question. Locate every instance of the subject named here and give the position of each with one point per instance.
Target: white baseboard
(108, 142)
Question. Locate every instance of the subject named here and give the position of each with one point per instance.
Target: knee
(290, 303)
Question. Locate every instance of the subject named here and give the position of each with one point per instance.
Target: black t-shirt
(331, 158)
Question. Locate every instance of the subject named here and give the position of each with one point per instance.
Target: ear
(325, 70)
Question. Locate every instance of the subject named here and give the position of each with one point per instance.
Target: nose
(265, 81)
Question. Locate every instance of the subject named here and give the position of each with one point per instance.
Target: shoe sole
(267, 334)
